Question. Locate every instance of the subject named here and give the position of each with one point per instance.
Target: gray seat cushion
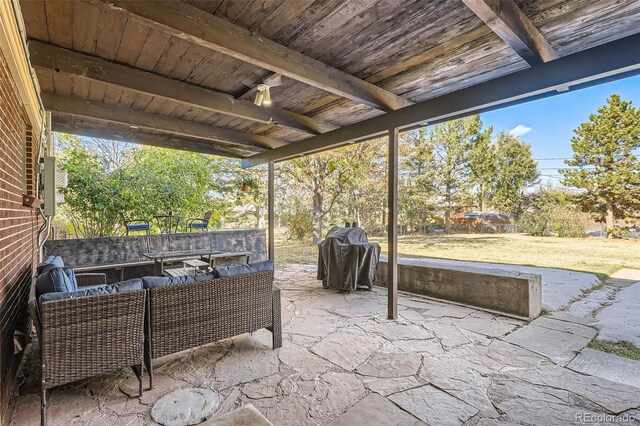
(56, 280)
(50, 263)
(157, 282)
(249, 268)
(121, 287)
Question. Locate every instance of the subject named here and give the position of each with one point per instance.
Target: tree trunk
(317, 216)
(447, 211)
(609, 219)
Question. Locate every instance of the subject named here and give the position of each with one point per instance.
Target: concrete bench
(502, 291)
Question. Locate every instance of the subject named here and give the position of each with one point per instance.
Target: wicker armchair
(87, 336)
(187, 316)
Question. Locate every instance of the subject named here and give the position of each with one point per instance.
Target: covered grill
(347, 260)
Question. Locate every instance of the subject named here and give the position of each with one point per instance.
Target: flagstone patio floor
(343, 363)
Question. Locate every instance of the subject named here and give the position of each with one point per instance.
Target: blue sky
(548, 124)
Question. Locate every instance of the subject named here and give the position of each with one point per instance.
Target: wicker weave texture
(91, 279)
(187, 316)
(87, 336)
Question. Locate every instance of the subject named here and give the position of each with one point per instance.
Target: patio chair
(89, 331)
(135, 225)
(199, 224)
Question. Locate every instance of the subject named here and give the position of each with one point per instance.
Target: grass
(624, 349)
(599, 256)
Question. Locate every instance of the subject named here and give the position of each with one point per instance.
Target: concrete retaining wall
(88, 252)
(511, 293)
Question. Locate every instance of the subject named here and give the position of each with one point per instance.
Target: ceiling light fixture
(263, 96)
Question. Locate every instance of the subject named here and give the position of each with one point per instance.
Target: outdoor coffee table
(178, 272)
(208, 255)
(196, 264)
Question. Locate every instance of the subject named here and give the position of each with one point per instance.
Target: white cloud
(519, 130)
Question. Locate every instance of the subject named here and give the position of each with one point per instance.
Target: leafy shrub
(566, 222)
(617, 231)
(534, 223)
(299, 224)
(559, 221)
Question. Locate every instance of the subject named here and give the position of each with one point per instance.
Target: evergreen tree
(605, 162)
(417, 178)
(451, 143)
(483, 165)
(515, 171)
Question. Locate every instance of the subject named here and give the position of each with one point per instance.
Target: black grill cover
(347, 260)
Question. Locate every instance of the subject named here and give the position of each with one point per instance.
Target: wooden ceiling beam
(62, 60)
(506, 19)
(64, 123)
(608, 62)
(192, 24)
(161, 123)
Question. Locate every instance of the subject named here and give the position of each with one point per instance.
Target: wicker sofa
(83, 334)
(181, 317)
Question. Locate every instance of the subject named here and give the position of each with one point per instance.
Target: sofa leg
(43, 407)
(138, 370)
(149, 368)
(276, 315)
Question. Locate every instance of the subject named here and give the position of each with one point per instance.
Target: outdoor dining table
(166, 223)
(161, 257)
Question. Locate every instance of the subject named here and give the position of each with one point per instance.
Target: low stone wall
(89, 252)
(511, 293)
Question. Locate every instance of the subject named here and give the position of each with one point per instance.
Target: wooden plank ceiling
(183, 74)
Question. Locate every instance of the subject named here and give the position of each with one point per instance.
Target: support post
(392, 228)
(271, 210)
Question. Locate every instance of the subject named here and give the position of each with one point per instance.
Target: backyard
(598, 256)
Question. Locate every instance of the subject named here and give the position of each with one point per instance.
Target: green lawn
(595, 255)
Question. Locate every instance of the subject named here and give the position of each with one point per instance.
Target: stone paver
(607, 366)
(559, 346)
(565, 326)
(434, 406)
(620, 320)
(375, 410)
(625, 277)
(391, 365)
(343, 362)
(247, 415)
(346, 349)
(185, 407)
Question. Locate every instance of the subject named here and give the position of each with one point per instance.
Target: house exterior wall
(19, 131)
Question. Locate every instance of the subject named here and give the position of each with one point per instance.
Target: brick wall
(18, 228)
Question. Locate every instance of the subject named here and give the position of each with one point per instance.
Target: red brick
(17, 227)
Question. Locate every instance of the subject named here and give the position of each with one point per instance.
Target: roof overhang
(611, 61)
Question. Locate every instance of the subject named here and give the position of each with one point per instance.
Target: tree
(451, 143)
(93, 196)
(605, 162)
(515, 171)
(417, 178)
(108, 180)
(483, 163)
(251, 201)
(328, 176)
